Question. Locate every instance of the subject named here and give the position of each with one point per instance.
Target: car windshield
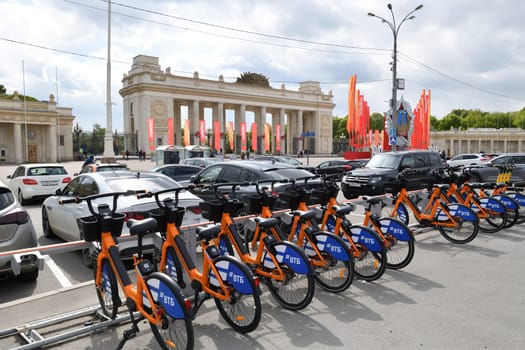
(291, 160)
(289, 173)
(151, 184)
(386, 161)
(6, 198)
(49, 170)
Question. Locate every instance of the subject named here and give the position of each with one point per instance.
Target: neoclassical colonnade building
(152, 97)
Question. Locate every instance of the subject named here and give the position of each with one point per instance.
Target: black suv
(383, 169)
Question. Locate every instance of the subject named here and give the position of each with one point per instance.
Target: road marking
(57, 271)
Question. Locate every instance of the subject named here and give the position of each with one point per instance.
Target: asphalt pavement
(450, 297)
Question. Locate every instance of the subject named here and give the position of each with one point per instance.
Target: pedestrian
(248, 154)
(127, 154)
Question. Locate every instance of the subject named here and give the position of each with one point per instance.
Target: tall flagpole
(59, 158)
(108, 138)
(25, 110)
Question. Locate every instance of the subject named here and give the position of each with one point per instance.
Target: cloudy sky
(469, 53)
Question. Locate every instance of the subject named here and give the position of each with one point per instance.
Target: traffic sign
(392, 140)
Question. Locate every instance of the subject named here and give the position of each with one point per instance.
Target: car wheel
(29, 275)
(349, 195)
(87, 258)
(21, 197)
(46, 228)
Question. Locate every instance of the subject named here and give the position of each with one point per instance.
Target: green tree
(377, 121)
(2, 89)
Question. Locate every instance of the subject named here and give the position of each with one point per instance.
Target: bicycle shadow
(436, 243)
(299, 328)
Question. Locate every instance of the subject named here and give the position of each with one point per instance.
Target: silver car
(63, 220)
(16, 232)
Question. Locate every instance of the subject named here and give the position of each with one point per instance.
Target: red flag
(151, 134)
(266, 137)
(170, 132)
(350, 124)
(254, 137)
(217, 134)
(243, 136)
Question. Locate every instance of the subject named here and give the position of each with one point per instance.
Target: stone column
(300, 129)
(18, 143)
(240, 117)
(261, 123)
(51, 155)
(193, 116)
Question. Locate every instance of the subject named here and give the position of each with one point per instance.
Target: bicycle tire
(171, 328)
(242, 311)
(369, 265)
(401, 213)
(107, 292)
(337, 277)
(520, 198)
(464, 232)
(175, 330)
(401, 243)
(512, 207)
(496, 215)
(296, 292)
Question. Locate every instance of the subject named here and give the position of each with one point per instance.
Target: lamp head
(419, 7)
(390, 6)
(371, 14)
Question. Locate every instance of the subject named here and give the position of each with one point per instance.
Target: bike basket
(211, 210)
(91, 227)
(292, 199)
(160, 215)
(320, 196)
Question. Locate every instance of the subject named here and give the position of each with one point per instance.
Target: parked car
(37, 180)
(250, 171)
(383, 168)
(178, 172)
(489, 171)
(340, 165)
(467, 159)
(91, 168)
(280, 159)
(63, 220)
(201, 162)
(16, 232)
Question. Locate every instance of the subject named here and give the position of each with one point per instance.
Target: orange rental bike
(155, 296)
(226, 279)
(456, 222)
(281, 264)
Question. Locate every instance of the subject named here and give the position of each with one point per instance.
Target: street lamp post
(77, 130)
(395, 31)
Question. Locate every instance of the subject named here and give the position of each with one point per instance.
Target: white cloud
(469, 53)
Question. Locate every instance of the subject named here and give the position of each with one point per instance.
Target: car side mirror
(193, 179)
(58, 192)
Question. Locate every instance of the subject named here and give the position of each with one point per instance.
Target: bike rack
(34, 339)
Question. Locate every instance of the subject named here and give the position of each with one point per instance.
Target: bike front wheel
(463, 232)
(296, 292)
(175, 328)
(368, 265)
(107, 291)
(242, 309)
(337, 276)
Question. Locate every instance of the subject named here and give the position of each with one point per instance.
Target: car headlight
(374, 179)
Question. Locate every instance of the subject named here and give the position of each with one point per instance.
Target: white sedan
(37, 180)
(63, 220)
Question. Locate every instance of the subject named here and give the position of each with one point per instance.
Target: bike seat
(373, 200)
(207, 233)
(442, 187)
(306, 214)
(343, 209)
(142, 227)
(266, 222)
(477, 184)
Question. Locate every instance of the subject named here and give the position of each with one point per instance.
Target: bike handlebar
(89, 199)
